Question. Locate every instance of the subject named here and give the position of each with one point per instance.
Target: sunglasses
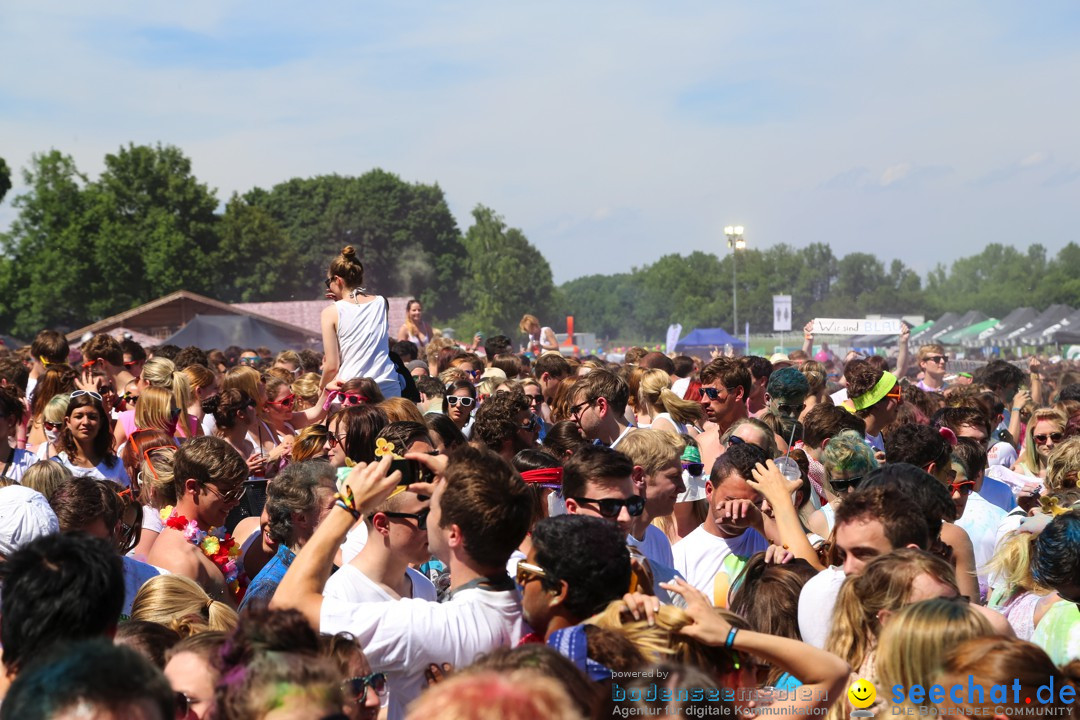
(420, 517)
(453, 400)
(964, 488)
(1039, 439)
(352, 398)
(535, 399)
(249, 361)
(611, 507)
(89, 364)
(576, 410)
(327, 281)
(129, 398)
(182, 704)
(174, 413)
(335, 440)
(937, 358)
(896, 394)
(130, 363)
(355, 688)
(91, 393)
(286, 401)
(695, 469)
(232, 496)
(713, 393)
(842, 486)
(786, 409)
(527, 571)
(50, 425)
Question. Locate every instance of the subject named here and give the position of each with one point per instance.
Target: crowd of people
(403, 526)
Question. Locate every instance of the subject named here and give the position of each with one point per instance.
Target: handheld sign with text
(857, 326)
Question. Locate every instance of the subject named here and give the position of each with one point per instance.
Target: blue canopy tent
(701, 341)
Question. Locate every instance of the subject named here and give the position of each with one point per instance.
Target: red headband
(543, 475)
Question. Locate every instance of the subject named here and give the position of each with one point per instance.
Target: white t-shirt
(21, 460)
(117, 473)
(816, 602)
(981, 520)
(701, 556)
(402, 637)
(355, 541)
(349, 583)
(656, 546)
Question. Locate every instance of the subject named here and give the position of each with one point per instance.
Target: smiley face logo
(861, 694)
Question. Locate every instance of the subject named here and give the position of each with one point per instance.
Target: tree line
(83, 248)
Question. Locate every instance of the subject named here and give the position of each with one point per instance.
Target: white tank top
(363, 332)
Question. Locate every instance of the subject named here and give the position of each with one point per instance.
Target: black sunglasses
(695, 469)
(327, 281)
(712, 393)
(355, 688)
(841, 486)
(610, 507)
(420, 517)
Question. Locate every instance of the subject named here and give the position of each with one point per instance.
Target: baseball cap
(25, 516)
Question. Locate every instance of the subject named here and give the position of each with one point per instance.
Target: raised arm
(902, 356)
(301, 588)
(777, 489)
(808, 339)
(331, 349)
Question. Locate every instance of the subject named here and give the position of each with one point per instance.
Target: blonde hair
(310, 443)
(816, 376)
(884, 584)
(926, 351)
(663, 640)
(915, 640)
(306, 388)
(1062, 462)
(653, 450)
(490, 695)
(56, 409)
(654, 389)
(399, 408)
(156, 478)
(199, 376)
(527, 321)
(46, 476)
(289, 356)
(1030, 456)
(161, 372)
(153, 411)
(1011, 565)
(179, 603)
(246, 379)
(411, 327)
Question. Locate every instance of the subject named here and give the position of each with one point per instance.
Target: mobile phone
(409, 469)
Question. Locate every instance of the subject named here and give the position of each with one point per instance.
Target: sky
(611, 133)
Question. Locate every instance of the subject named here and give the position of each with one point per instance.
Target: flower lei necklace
(216, 544)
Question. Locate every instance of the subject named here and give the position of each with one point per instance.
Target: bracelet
(355, 513)
(1017, 409)
(347, 499)
(730, 638)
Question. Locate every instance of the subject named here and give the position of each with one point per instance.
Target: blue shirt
(264, 584)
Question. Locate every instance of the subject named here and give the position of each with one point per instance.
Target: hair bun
(349, 252)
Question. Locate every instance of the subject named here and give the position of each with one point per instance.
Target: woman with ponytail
(179, 603)
(668, 411)
(356, 328)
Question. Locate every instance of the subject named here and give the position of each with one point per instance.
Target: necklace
(216, 544)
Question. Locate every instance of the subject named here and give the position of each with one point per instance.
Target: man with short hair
(296, 502)
(209, 482)
(505, 424)
(869, 523)
(480, 513)
(104, 352)
(785, 393)
(598, 406)
(549, 370)
(92, 506)
(725, 387)
(432, 391)
(658, 473)
(575, 567)
(598, 481)
(497, 345)
(659, 361)
(134, 356)
(713, 555)
(57, 589)
(932, 361)
(406, 350)
(760, 370)
(396, 537)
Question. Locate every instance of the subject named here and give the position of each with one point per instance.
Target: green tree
(5, 179)
(45, 271)
(508, 277)
(255, 260)
(404, 233)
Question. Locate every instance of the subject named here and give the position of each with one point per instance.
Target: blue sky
(611, 132)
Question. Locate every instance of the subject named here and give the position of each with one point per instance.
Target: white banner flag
(674, 332)
(856, 326)
(781, 313)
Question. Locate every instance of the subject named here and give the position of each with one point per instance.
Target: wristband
(730, 638)
(1016, 409)
(346, 499)
(351, 511)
